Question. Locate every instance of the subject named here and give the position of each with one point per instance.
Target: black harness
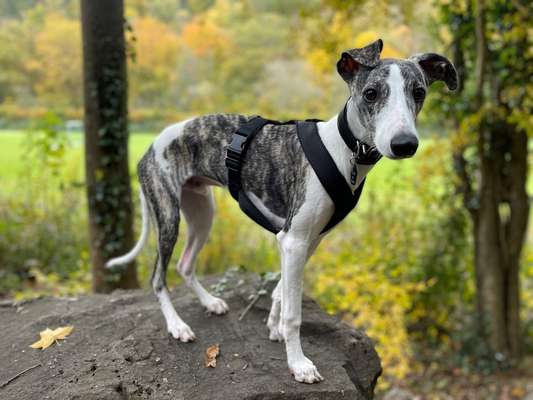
(318, 156)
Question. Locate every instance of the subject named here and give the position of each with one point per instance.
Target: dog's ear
(437, 68)
(352, 60)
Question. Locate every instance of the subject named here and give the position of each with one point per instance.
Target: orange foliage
(156, 44)
(203, 37)
(57, 60)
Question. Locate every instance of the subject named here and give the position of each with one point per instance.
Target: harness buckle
(234, 150)
(237, 143)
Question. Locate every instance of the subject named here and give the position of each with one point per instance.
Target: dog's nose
(404, 145)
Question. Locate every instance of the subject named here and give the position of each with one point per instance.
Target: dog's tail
(126, 258)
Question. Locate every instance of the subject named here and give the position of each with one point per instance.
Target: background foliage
(400, 266)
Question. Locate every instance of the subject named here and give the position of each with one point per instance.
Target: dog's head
(388, 94)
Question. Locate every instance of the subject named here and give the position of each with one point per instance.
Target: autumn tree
(152, 71)
(490, 46)
(57, 62)
(106, 141)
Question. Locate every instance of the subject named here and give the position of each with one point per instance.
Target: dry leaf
(48, 336)
(211, 356)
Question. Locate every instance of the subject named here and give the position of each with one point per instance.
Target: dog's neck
(355, 126)
(337, 148)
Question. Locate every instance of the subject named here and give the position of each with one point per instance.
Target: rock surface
(120, 349)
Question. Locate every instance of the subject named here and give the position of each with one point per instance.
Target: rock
(120, 349)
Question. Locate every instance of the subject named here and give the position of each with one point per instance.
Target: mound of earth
(119, 349)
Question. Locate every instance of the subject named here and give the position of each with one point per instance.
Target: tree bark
(487, 241)
(500, 224)
(489, 261)
(106, 141)
(493, 189)
(515, 229)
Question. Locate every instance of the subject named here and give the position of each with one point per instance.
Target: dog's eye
(370, 95)
(419, 94)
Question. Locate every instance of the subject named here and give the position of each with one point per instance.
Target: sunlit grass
(13, 148)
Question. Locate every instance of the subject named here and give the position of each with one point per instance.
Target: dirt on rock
(119, 349)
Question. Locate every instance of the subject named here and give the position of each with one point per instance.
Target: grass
(13, 147)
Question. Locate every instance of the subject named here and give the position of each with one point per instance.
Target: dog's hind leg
(163, 201)
(198, 207)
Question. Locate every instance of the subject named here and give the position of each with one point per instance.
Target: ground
(119, 349)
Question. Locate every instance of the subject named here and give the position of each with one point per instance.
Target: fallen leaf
(49, 337)
(211, 356)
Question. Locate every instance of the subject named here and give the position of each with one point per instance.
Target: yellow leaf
(211, 356)
(63, 332)
(48, 337)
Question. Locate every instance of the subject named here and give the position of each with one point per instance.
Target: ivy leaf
(48, 337)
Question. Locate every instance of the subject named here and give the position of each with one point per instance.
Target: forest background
(405, 265)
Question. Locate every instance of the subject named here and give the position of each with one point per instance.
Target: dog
(187, 158)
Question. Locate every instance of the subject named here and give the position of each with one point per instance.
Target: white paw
(305, 371)
(216, 306)
(275, 334)
(182, 332)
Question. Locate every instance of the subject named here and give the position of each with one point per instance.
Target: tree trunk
(515, 232)
(106, 141)
(489, 260)
(488, 245)
(500, 223)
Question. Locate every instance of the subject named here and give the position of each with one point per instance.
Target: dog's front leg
(294, 254)
(274, 317)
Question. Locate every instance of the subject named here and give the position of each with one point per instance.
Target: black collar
(362, 152)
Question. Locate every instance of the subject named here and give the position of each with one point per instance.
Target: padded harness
(317, 155)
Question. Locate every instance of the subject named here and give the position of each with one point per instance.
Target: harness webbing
(316, 153)
(235, 153)
(328, 174)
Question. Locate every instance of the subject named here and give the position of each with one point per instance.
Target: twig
(265, 280)
(19, 374)
(249, 306)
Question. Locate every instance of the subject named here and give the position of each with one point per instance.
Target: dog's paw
(182, 332)
(275, 334)
(305, 371)
(216, 306)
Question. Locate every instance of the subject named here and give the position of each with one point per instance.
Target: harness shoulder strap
(235, 153)
(328, 174)
(240, 141)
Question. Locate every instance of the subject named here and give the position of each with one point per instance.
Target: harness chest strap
(327, 172)
(316, 153)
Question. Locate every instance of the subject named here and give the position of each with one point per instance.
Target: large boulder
(119, 349)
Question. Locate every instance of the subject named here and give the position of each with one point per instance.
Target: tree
(57, 62)
(489, 40)
(106, 141)
(154, 68)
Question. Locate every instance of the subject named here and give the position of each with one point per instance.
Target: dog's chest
(275, 168)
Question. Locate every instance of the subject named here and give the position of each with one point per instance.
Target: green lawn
(13, 147)
(388, 176)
